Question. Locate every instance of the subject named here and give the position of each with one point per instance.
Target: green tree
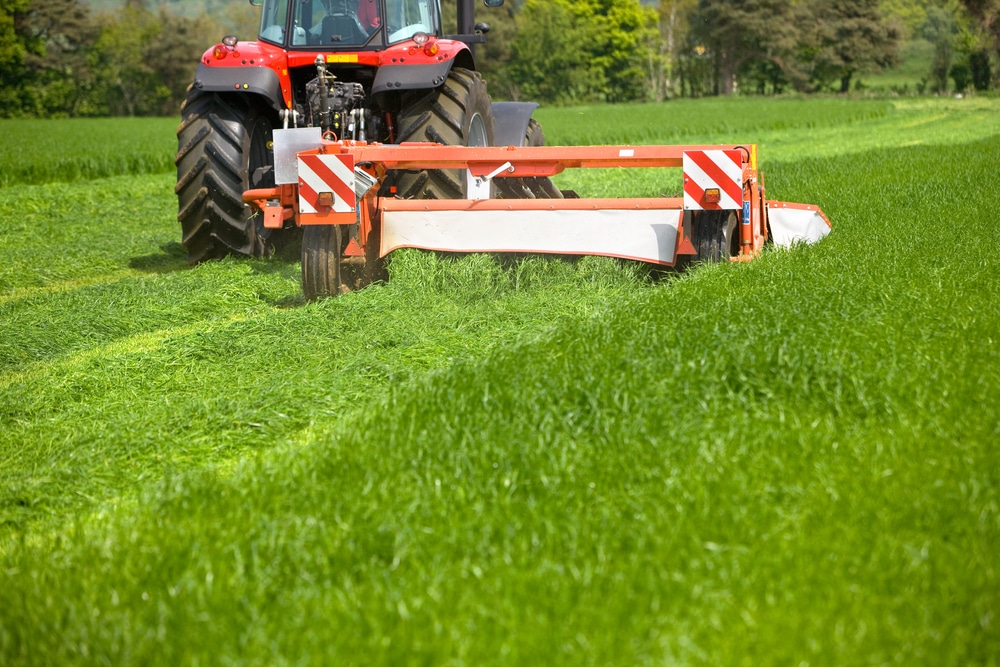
(582, 50)
(665, 62)
(985, 15)
(494, 57)
(910, 14)
(624, 36)
(547, 61)
(13, 50)
(850, 36)
(128, 81)
(12, 44)
(939, 29)
(979, 64)
(735, 32)
(53, 79)
(144, 61)
(175, 51)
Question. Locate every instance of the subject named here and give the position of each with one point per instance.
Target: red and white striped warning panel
(713, 180)
(326, 183)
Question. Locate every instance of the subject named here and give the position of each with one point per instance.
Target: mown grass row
(782, 462)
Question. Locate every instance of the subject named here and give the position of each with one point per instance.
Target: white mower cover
(796, 223)
(649, 236)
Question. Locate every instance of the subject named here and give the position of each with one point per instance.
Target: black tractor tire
(321, 257)
(223, 148)
(715, 235)
(532, 187)
(458, 113)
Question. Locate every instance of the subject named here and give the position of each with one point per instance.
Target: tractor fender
(510, 120)
(261, 81)
(391, 78)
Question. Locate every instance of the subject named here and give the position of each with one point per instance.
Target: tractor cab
(352, 25)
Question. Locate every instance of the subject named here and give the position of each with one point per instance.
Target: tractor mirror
(256, 3)
(492, 3)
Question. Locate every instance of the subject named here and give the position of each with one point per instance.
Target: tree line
(573, 51)
(60, 58)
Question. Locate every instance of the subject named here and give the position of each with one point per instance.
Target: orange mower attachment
(340, 193)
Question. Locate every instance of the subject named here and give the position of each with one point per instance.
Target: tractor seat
(342, 29)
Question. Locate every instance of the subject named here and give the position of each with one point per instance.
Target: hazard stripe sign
(320, 173)
(707, 169)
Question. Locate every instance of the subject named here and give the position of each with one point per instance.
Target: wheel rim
(259, 153)
(477, 132)
(732, 247)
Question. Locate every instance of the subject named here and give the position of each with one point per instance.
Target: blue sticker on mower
(746, 213)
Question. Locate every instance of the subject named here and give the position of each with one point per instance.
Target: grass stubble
(789, 461)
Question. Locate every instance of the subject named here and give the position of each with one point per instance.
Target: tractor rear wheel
(715, 235)
(224, 148)
(531, 187)
(321, 255)
(458, 113)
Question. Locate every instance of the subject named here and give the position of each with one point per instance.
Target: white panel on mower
(327, 175)
(795, 223)
(713, 169)
(645, 235)
(286, 144)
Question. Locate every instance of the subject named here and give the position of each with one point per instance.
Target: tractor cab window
(331, 24)
(272, 21)
(405, 18)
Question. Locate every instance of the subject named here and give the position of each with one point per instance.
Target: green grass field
(786, 462)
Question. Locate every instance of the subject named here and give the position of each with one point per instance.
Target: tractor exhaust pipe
(466, 17)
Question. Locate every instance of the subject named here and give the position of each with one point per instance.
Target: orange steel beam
(526, 160)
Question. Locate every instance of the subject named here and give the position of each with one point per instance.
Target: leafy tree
(144, 61)
(582, 50)
(986, 17)
(850, 36)
(910, 14)
(547, 62)
(13, 50)
(961, 74)
(53, 79)
(12, 44)
(979, 64)
(174, 53)
(494, 57)
(625, 36)
(128, 80)
(986, 13)
(734, 32)
(939, 29)
(665, 62)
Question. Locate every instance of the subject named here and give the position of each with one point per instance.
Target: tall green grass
(495, 462)
(67, 150)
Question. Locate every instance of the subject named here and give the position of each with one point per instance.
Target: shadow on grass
(173, 258)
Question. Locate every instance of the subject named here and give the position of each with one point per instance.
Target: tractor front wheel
(715, 235)
(321, 253)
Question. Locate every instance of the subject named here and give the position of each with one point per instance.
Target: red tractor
(377, 71)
